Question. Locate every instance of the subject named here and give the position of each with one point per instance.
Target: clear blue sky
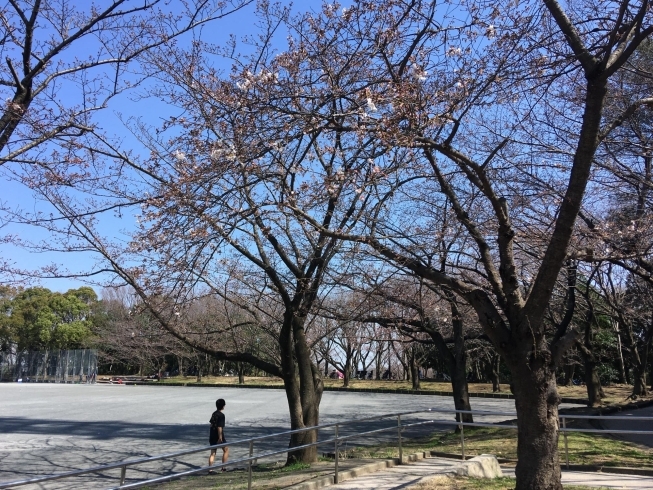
(240, 24)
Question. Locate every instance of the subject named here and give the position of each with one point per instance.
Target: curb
(327, 481)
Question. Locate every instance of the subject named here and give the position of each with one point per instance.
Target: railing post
(462, 436)
(335, 475)
(401, 452)
(564, 426)
(123, 471)
(249, 465)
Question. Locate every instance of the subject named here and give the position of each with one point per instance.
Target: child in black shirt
(216, 435)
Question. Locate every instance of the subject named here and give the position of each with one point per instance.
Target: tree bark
(536, 400)
(592, 381)
(456, 362)
(379, 364)
(622, 366)
(493, 371)
(570, 370)
(241, 374)
(346, 374)
(595, 393)
(303, 385)
(638, 361)
(414, 370)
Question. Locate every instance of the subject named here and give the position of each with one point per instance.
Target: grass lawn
(586, 449)
(615, 394)
(445, 483)
(264, 477)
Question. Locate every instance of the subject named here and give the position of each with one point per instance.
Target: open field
(46, 429)
(615, 394)
(49, 428)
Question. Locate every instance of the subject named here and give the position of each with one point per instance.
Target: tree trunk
(405, 365)
(378, 367)
(622, 366)
(241, 374)
(592, 381)
(459, 372)
(401, 358)
(414, 370)
(639, 382)
(570, 369)
(495, 364)
(346, 373)
(536, 400)
(303, 385)
(595, 393)
(456, 362)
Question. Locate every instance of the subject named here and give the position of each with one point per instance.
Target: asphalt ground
(618, 424)
(52, 428)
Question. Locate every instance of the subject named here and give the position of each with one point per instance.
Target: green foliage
(38, 319)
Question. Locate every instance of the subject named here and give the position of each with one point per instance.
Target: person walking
(216, 436)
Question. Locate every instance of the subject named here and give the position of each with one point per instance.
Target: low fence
(59, 366)
(336, 442)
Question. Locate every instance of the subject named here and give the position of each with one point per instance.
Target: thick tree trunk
(241, 374)
(639, 384)
(303, 385)
(461, 395)
(536, 400)
(595, 393)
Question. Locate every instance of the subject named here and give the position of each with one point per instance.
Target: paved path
(48, 428)
(400, 477)
(646, 440)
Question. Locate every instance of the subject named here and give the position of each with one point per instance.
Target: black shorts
(213, 438)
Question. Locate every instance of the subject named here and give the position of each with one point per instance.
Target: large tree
(498, 105)
(477, 108)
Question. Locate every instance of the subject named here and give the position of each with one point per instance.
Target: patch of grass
(265, 476)
(585, 449)
(448, 483)
(294, 467)
(588, 449)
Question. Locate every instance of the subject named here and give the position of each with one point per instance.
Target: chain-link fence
(60, 366)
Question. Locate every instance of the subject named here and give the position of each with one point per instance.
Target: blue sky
(239, 24)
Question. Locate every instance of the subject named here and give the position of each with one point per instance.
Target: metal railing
(337, 441)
